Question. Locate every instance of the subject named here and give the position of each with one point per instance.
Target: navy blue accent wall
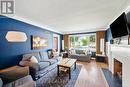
(11, 52)
(108, 35)
(61, 38)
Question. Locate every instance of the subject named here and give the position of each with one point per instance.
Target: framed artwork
(38, 42)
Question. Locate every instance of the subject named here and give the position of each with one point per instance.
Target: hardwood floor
(91, 75)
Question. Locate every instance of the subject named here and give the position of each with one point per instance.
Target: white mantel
(122, 54)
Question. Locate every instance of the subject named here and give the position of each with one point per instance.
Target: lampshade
(16, 36)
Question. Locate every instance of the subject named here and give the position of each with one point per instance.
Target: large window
(82, 40)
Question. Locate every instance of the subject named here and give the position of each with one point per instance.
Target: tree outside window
(87, 40)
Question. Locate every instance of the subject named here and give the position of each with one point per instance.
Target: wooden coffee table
(66, 63)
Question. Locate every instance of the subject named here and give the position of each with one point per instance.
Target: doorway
(56, 43)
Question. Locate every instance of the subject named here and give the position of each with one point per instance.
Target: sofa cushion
(44, 56)
(58, 58)
(43, 65)
(1, 83)
(52, 61)
(49, 54)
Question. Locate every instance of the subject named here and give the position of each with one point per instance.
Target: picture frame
(38, 42)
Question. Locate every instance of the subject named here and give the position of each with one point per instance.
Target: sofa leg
(57, 70)
(69, 73)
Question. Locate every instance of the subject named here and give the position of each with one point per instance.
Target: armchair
(22, 82)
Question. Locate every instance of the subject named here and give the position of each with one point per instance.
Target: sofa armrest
(30, 64)
(34, 66)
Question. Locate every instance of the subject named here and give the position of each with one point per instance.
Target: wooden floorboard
(91, 75)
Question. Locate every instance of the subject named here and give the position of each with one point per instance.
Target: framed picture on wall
(38, 42)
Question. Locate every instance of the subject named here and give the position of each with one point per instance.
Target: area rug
(52, 80)
(113, 81)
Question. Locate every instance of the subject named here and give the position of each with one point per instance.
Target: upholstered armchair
(26, 81)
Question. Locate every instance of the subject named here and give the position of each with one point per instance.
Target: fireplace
(119, 61)
(118, 68)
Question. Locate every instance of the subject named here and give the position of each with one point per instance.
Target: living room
(64, 43)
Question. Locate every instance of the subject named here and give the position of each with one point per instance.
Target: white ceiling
(69, 16)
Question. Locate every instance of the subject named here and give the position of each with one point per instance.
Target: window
(82, 40)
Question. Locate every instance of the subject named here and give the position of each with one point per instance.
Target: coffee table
(67, 63)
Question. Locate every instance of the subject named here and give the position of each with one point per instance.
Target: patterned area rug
(52, 80)
(113, 81)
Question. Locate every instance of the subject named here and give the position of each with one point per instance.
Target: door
(56, 42)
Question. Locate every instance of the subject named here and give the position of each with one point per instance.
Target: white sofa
(80, 54)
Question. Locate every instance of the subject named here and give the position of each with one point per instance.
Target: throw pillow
(49, 54)
(24, 63)
(26, 57)
(33, 59)
(53, 54)
(1, 83)
(72, 51)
